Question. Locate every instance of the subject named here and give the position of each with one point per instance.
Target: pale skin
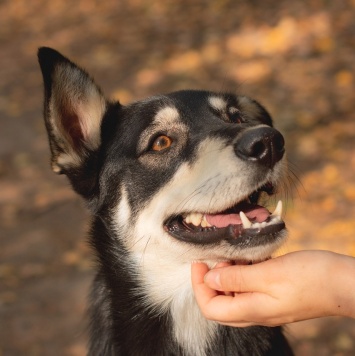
(297, 286)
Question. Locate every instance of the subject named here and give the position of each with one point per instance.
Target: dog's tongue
(255, 213)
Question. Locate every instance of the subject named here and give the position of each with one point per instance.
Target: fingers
(198, 271)
(237, 278)
(226, 309)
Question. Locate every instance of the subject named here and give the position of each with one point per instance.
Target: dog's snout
(264, 145)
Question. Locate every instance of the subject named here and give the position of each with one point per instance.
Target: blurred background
(297, 58)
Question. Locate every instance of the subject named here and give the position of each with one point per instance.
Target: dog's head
(176, 175)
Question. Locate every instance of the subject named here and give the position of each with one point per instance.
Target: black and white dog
(169, 180)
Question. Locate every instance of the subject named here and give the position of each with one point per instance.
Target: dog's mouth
(237, 224)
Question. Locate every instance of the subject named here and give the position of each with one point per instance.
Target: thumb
(236, 278)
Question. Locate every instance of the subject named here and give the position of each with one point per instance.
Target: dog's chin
(245, 225)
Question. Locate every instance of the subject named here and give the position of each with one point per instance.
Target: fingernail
(213, 279)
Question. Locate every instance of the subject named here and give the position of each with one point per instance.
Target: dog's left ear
(73, 109)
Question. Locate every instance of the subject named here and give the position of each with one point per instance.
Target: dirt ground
(297, 58)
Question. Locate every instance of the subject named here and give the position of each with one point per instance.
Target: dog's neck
(169, 290)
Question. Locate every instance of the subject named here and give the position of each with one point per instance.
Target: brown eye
(235, 115)
(161, 143)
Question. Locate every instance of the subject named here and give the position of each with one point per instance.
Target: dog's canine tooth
(196, 219)
(278, 210)
(246, 222)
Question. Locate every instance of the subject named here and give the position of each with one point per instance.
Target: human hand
(297, 286)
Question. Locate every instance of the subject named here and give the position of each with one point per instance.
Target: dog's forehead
(185, 100)
(194, 108)
(199, 103)
(195, 101)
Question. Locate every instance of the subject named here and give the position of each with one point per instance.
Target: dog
(169, 180)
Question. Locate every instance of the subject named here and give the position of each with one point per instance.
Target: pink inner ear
(81, 120)
(71, 124)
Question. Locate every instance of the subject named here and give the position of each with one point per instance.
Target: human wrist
(343, 274)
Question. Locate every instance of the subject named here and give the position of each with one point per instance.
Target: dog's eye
(234, 115)
(161, 143)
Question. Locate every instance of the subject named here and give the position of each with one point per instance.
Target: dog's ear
(74, 107)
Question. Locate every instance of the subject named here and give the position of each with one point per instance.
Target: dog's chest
(169, 290)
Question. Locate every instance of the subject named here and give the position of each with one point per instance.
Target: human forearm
(343, 285)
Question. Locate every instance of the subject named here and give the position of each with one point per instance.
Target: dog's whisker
(144, 250)
(199, 190)
(204, 188)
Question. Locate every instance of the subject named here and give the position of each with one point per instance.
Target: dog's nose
(264, 145)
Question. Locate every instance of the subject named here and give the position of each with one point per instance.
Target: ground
(297, 58)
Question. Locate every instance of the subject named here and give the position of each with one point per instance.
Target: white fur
(191, 329)
(66, 160)
(247, 107)
(166, 116)
(123, 212)
(217, 103)
(233, 110)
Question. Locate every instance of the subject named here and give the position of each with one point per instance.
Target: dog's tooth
(204, 222)
(245, 221)
(196, 219)
(278, 210)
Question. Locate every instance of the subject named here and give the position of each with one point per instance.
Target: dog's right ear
(73, 109)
